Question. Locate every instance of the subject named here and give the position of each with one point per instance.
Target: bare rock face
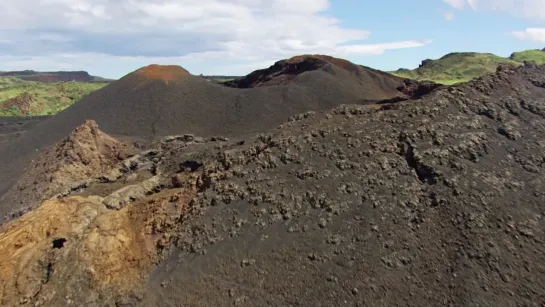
(70, 164)
(97, 245)
(412, 89)
(77, 243)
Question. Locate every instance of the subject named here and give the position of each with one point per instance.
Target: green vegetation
(464, 66)
(10, 81)
(19, 97)
(456, 67)
(537, 56)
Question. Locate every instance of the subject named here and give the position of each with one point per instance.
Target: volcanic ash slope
(158, 100)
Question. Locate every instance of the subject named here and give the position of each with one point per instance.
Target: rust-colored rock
(165, 73)
(77, 243)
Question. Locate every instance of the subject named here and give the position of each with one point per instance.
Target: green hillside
(10, 81)
(455, 67)
(24, 98)
(537, 56)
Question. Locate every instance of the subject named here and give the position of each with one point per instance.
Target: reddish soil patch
(162, 72)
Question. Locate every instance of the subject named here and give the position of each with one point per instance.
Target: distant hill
(31, 93)
(537, 56)
(463, 66)
(53, 76)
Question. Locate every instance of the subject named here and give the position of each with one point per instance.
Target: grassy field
(25, 98)
(10, 81)
(456, 67)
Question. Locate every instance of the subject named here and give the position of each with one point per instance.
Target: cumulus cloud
(536, 35)
(245, 31)
(532, 9)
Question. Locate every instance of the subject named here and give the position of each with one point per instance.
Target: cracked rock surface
(435, 202)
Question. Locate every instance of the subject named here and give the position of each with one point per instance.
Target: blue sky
(112, 38)
(469, 30)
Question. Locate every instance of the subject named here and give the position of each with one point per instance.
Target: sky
(111, 38)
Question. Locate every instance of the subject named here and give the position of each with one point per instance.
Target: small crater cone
(161, 72)
(323, 59)
(282, 72)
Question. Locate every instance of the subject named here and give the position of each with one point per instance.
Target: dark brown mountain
(52, 76)
(284, 71)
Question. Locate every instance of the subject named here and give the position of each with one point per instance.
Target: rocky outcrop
(71, 164)
(416, 89)
(77, 243)
(425, 63)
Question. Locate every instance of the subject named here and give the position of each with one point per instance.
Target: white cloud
(54, 37)
(374, 49)
(457, 4)
(249, 31)
(532, 9)
(536, 35)
(448, 15)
